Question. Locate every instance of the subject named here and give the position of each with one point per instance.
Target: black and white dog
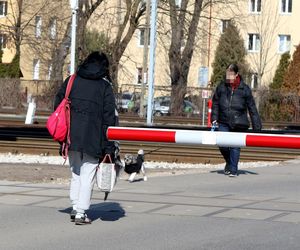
(134, 164)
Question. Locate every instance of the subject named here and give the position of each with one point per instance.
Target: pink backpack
(58, 123)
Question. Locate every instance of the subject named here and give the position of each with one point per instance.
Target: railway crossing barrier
(196, 137)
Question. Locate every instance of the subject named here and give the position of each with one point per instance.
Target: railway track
(17, 120)
(37, 141)
(155, 152)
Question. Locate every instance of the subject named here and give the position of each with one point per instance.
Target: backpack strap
(69, 86)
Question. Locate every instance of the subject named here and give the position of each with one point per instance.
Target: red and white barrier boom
(228, 139)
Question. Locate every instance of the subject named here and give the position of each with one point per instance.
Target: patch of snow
(167, 165)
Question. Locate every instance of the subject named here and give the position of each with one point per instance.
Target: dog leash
(213, 128)
(153, 150)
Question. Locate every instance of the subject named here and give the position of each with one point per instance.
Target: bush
(11, 70)
(231, 49)
(276, 105)
(1, 54)
(280, 71)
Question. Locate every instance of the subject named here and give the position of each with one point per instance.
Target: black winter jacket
(228, 103)
(92, 111)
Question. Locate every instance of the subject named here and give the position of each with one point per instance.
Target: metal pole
(145, 59)
(203, 112)
(74, 7)
(152, 61)
(209, 36)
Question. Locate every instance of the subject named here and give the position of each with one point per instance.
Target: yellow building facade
(42, 26)
(6, 43)
(268, 28)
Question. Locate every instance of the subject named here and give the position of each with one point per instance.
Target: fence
(273, 105)
(276, 105)
(10, 94)
(16, 93)
(195, 100)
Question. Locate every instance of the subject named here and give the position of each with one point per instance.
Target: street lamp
(152, 61)
(74, 7)
(145, 59)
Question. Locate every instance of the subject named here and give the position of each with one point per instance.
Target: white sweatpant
(83, 167)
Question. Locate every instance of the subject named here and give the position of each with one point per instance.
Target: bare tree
(85, 9)
(19, 19)
(128, 20)
(122, 21)
(187, 21)
(134, 10)
(184, 22)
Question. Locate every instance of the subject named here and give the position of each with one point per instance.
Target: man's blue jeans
(231, 155)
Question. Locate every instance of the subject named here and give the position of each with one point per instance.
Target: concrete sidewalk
(260, 209)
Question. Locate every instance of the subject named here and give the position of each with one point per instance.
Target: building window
(255, 6)
(254, 80)
(36, 69)
(139, 75)
(52, 28)
(38, 26)
(203, 76)
(49, 71)
(140, 78)
(253, 42)
(224, 25)
(3, 41)
(286, 6)
(284, 43)
(142, 37)
(178, 3)
(3, 8)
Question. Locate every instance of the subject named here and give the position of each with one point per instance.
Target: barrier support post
(209, 105)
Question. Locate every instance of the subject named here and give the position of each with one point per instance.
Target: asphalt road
(260, 209)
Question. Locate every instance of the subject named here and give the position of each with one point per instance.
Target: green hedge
(10, 70)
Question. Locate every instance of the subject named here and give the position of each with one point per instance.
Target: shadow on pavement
(240, 172)
(107, 211)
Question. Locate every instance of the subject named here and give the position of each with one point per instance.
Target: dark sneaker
(226, 172)
(232, 175)
(226, 169)
(72, 215)
(82, 219)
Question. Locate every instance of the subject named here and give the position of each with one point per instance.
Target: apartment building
(6, 44)
(268, 28)
(42, 26)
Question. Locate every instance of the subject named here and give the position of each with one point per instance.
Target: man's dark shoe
(233, 175)
(72, 215)
(82, 219)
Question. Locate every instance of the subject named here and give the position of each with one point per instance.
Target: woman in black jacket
(92, 112)
(231, 101)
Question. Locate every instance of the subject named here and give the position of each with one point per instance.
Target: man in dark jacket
(92, 112)
(231, 101)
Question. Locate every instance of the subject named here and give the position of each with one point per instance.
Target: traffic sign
(205, 94)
